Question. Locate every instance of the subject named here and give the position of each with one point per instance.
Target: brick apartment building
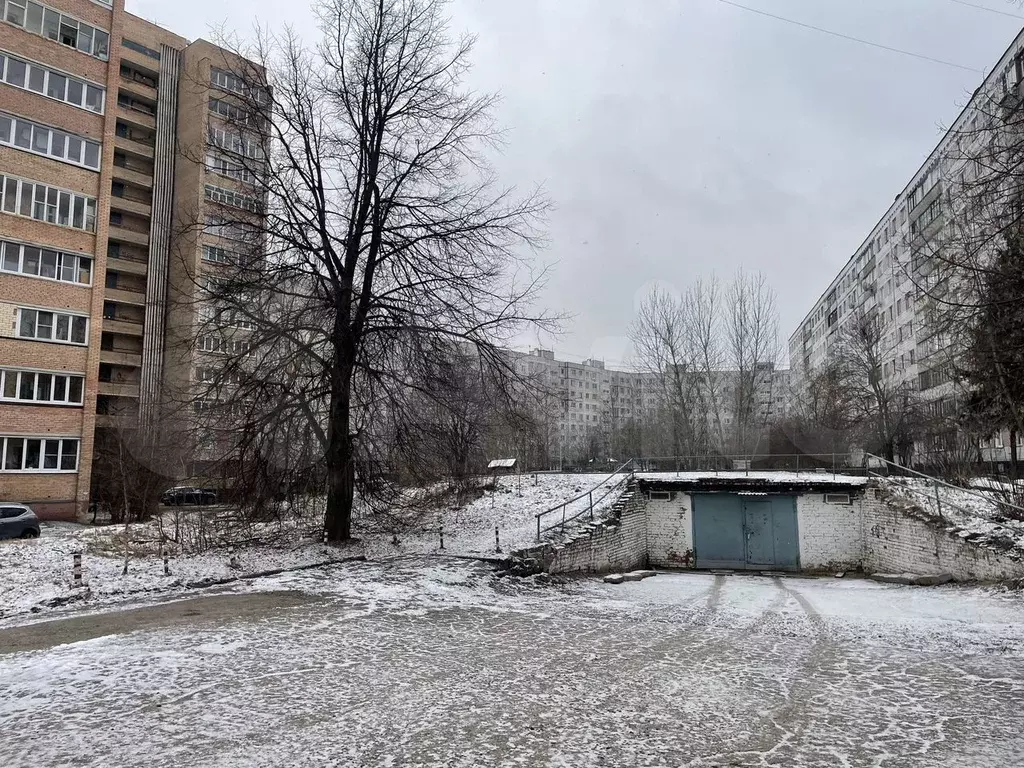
(112, 137)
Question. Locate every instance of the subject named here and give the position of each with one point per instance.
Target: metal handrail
(588, 493)
(937, 482)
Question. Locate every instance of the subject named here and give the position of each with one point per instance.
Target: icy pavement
(419, 664)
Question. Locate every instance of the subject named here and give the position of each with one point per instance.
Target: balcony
(125, 296)
(127, 359)
(130, 205)
(133, 147)
(138, 88)
(116, 389)
(127, 265)
(128, 235)
(122, 326)
(133, 175)
(136, 117)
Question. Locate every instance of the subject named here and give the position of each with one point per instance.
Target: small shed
(784, 521)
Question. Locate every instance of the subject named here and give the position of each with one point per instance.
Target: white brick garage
(829, 514)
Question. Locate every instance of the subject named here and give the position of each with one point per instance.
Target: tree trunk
(340, 459)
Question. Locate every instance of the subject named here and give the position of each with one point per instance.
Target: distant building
(97, 107)
(882, 279)
(590, 411)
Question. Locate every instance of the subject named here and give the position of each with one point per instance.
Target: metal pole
(440, 531)
(76, 570)
(538, 527)
(591, 494)
(167, 568)
(938, 501)
(497, 545)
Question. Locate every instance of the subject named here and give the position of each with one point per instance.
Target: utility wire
(851, 38)
(986, 8)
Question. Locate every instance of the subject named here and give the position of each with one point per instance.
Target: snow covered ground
(469, 530)
(417, 663)
(36, 573)
(971, 513)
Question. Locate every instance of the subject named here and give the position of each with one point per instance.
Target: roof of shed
(767, 481)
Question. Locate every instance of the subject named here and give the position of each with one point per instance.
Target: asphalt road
(415, 664)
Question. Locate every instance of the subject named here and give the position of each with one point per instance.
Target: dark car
(187, 495)
(18, 521)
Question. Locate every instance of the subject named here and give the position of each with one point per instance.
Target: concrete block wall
(907, 541)
(831, 535)
(670, 530)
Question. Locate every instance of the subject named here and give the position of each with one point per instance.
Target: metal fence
(626, 472)
(847, 463)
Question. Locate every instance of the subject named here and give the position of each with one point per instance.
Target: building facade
(588, 411)
(102, 164)
(890, 280)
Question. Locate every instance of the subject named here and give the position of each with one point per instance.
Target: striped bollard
(497, 546)
(76, 570)
(440, 531)
(167, 568)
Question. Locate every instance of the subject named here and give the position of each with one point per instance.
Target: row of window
(230, 197)
(49, 82)
(138, 47)
(237, 143)
(31, 260)
(37, 454)
(223, 346)
(42, 140)
(231, 112)
(218, 255)
(44, 325)
(233, 170)
(215, 374)
(58, 26)
(226, 318)
(40, 387)
(46, 203)
(230, 230)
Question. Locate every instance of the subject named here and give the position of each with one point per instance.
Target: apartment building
(885, 277)
(105, 121)
(585, 405)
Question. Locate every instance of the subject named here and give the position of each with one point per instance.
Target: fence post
(440, 531)
(563, 518)
(497, 544)
(591, 494)
(938, 501)
(76, 569)
(538, 527)
(167, 567)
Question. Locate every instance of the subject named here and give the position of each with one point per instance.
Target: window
(230, 197)
(221, 165)
(659, 495)
(50, 204)
(232, 112)
(218, 227)
(42, 140)
(138, 47)
(236, 143)
(35, 77)
(38, 454)
(41, 387)
(46, 325)
(31, 260)
(837, 498)
(217, 254)
(67, 30)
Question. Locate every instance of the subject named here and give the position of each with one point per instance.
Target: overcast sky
(680, 138)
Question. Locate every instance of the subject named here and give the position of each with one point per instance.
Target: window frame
(56, 319)
(30, 67)
(20, 375)
(44, 203)
(64, 451)
(33, 127)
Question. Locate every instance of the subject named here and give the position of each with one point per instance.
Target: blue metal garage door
(745, 532)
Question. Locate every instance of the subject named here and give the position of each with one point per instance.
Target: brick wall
(831, 535)
(907, 541)
(619, 544)
(670, 531)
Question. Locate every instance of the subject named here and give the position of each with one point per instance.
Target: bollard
(167, 568)
(76, 569)
(497, 546)
(440, 532)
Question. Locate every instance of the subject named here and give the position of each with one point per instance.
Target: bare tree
(885, 405)
(381, 224)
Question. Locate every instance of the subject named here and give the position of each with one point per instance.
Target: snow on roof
(759, 478)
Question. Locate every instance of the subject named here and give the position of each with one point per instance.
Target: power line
(986, 8)
(851, 38)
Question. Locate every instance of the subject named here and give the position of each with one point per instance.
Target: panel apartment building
(884, 277)
(97, 107)
(587, 403)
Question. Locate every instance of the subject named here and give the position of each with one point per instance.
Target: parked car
(18, 521)
(188, 495)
